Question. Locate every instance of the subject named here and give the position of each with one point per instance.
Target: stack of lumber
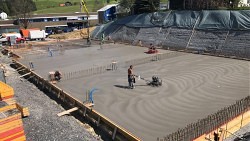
(11, 113)
(11, 125)
(6, 91)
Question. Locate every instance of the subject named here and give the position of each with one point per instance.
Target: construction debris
(73, 35)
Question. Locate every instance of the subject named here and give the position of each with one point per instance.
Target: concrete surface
(43, 124)
(194, 86)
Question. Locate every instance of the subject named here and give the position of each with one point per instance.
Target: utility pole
(84, 8)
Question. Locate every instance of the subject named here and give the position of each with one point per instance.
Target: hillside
(53, 6)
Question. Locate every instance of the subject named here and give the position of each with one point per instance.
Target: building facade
(78, 20)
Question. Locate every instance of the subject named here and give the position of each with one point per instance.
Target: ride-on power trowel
(156, 81)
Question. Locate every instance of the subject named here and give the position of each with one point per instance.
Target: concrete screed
(194, 86)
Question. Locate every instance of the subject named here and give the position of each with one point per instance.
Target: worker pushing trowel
(156, 81)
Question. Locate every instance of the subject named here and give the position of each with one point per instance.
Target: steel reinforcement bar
(211, 122)
(113, 130)
(156, 57)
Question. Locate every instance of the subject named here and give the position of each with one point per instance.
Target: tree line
(209, 4)
(17, 7)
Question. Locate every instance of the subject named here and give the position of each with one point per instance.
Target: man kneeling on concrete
(58, 76)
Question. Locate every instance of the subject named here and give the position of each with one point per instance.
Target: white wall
(244, 3)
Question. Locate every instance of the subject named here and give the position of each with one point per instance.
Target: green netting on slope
(237, 44)
(224, 20)
(240, 20)
(216, 19)
(142, 20)
(181, 19)
(124, 34)
(148, 36)
(202, 20)
(106, 29)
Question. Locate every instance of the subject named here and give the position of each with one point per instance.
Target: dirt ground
(194, 86)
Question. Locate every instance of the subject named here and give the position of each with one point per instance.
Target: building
(78, 20)
(107, 13)
(244, 3)
(8, 28)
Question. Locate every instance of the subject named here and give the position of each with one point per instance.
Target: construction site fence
(211, 122)
(89, 72)
(156, 57)
(113, 67)
(101, 122)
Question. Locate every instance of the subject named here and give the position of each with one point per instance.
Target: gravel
(43, 122)
(239, 133)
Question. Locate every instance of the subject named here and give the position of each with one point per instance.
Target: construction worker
(102, 38)
(130, 77)
(140, 43)
(58, 75)
(31, 65)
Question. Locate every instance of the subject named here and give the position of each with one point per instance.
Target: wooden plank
(17, 116)
(10, 101)
(9, 120)
(10, 132)
(23, 138)
(24, 111)
(222, 135)
(89, 104)
(6, 97)
(25, 75)
(11, 125)
(6, 108)
(67, 112)
(13, 136)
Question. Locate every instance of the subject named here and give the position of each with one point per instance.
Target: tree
(139, 6)
(146, 6)
(22, 10)
(126, 6)
(4, 7)
(203, 4)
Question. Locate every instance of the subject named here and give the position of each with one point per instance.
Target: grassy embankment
(53, 6)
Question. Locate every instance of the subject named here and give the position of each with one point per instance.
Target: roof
(107, 7)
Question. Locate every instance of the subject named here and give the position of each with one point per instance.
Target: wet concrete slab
(194, 86)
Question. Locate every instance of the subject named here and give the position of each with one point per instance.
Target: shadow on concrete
(127, 87)
(121, 86)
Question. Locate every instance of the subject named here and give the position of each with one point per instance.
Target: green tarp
(203, 20)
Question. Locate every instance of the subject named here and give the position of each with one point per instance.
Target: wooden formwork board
(67, 112)
(231, 126)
